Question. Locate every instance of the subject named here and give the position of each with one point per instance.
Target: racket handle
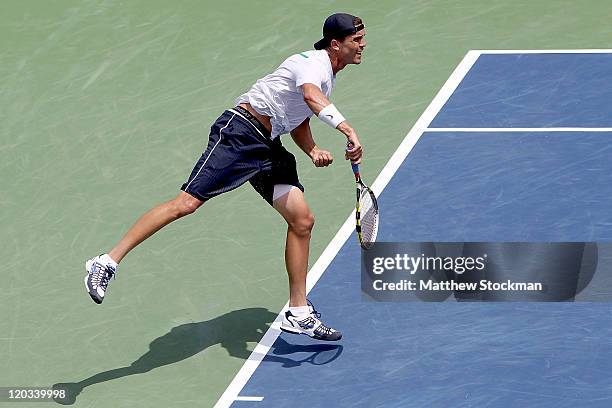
(354, 166)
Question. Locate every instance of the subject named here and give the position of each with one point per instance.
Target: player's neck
(336, 64)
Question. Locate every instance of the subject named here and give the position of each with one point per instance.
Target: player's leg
(300, 221)
(301, 318)
(213, 174)
(102, 268)
(154, 220)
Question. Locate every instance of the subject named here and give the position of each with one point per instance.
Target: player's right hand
(354, 151)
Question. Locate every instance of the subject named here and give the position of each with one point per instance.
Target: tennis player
(245, 145)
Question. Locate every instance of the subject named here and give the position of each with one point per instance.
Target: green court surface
(106, 106)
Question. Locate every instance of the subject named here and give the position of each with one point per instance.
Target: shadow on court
(232, 330)
(317, 354)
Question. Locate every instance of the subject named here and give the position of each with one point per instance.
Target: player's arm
(302, 136)
(327, 112)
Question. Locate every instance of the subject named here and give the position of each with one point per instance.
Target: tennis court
(108, 104)
(515, 146)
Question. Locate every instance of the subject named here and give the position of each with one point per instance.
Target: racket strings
(369, 218)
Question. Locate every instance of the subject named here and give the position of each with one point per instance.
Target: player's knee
(185, 204)
(303, 224)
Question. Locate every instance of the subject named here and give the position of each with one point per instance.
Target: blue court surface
(519, 151)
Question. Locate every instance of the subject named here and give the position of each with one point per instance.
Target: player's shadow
(232, 331)
(294, 355)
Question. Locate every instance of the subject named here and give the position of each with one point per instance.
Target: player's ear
(335, 45)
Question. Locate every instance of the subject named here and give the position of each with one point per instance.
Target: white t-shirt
(279, 95)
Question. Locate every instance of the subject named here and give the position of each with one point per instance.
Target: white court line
(255, 399)
(233, 390)
(553, 129)
(586, 51)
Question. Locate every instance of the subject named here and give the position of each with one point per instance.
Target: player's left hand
(321, 158)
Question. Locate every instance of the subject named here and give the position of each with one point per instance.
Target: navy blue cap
(337, 26)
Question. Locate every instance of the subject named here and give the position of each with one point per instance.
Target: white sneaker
(309, 325)
(98, 276)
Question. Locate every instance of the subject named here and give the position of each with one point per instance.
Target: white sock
(108, 260)
(300, 311)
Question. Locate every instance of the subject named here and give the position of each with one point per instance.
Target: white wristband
(331, 116)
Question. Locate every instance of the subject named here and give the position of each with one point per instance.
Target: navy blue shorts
(238, 152)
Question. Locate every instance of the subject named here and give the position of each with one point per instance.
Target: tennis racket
(366, 211)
